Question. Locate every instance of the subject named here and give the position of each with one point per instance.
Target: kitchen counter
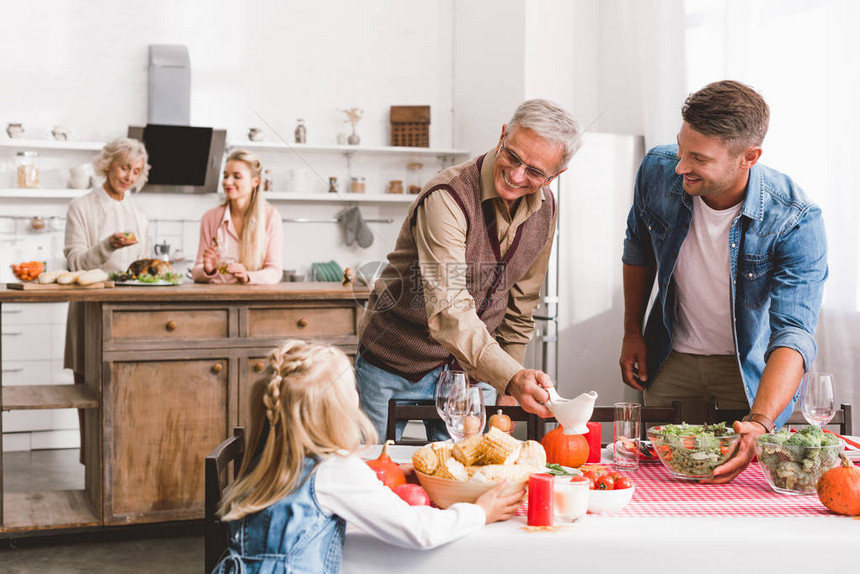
(191, 292)
(168, 373)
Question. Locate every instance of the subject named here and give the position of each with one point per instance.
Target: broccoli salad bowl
(691, 452)
(792, 462)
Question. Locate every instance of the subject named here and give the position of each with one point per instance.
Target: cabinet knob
(217, 368)
(303, 322)
(258, 367)
(171, 326)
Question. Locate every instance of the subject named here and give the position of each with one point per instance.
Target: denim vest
(294, 535)
(777, 263)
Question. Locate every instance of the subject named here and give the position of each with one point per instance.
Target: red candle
(593, 438)
(540, 499)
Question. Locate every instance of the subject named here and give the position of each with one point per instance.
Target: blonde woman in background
(105, 229)
(240, 240)
(302, 479)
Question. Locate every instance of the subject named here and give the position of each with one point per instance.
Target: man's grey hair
(551, 122)
(123, 148)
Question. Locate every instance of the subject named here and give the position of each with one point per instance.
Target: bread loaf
(49, 277)
(92, 276)
(68, 277)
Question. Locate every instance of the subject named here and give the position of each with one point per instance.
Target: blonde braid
(293, 356)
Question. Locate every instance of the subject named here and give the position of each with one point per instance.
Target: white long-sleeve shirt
(347, 487)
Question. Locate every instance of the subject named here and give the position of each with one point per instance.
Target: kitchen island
(168, 371)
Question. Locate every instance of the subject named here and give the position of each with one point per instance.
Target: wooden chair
(425, 410)
(215, 466)
(649, 415)
(841, 418)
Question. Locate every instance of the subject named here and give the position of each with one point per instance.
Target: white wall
(259, 63)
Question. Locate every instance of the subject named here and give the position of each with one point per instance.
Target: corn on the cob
(532, 455)
(443, 451)
(425, 460)
(510, 472)
(469, 451)
(452, 469)
(500, 448)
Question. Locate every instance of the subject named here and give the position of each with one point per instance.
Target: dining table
(669, 526)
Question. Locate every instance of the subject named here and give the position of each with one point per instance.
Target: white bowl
(609, 501)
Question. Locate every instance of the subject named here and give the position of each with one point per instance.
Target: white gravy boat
(573, 414)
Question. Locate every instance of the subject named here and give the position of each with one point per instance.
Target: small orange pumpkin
(565, 449)
(388, 471)
(502, 422)
(839, 488)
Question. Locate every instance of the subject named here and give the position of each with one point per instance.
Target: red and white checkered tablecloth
(660, 494)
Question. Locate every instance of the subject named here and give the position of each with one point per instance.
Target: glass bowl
(794, 469)
(691, 452)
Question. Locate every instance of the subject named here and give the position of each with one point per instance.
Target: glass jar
(356, 185)
(416, 181)
(395, 186)
(28, 171)
(301, 132)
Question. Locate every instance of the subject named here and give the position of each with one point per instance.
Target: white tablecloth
(683, 545)
(769, 545)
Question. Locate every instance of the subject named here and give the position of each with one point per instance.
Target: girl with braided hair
(301, 479)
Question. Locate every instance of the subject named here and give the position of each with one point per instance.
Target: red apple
(413, 494)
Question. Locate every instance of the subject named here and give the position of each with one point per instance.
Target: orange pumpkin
(388, 471)
(565, 449)
(839, 488)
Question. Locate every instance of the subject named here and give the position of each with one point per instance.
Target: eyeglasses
(533, 174)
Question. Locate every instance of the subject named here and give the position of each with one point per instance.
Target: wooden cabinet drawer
(301, 321)
(170, 324)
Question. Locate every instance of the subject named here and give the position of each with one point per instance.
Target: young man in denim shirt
(740, 259)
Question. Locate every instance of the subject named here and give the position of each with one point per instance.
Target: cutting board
(56, 286)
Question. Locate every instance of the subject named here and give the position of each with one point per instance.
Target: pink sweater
(271, 271)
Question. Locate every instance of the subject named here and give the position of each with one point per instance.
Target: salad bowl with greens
(792, 462)
(692, 452)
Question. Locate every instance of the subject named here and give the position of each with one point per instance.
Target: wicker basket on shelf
(410, 126)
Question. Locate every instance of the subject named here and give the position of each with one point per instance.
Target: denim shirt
(777, 263)
(294, 536)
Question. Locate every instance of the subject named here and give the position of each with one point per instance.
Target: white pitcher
(573, 414)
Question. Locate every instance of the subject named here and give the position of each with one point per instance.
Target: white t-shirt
(703, 311)
(346, 486)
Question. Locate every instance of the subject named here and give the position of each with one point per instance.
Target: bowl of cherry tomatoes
(609, 491)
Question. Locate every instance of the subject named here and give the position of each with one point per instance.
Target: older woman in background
(241, 239)
(104, 229)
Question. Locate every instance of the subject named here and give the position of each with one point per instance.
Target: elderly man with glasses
(464, 277)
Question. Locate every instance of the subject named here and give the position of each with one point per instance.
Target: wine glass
(465, 410)
(817, 403)
(443, 389)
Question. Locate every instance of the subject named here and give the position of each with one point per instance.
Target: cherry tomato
(622, 482)
(605, 482)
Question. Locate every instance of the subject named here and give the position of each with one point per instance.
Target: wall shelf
(40, 193)
(338, 197)
(68, 145)
(347, 149)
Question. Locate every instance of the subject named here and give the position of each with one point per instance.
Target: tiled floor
(60, 470)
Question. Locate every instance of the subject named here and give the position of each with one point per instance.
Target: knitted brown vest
(393, 332)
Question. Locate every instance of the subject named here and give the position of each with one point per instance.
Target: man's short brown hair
(729, 110)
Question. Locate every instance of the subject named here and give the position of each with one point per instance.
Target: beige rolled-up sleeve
(440, 238)
(517, 328)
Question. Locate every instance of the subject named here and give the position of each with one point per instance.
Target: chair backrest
(842, 418)
(649, 416)
(425, 410)
(215, 467)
